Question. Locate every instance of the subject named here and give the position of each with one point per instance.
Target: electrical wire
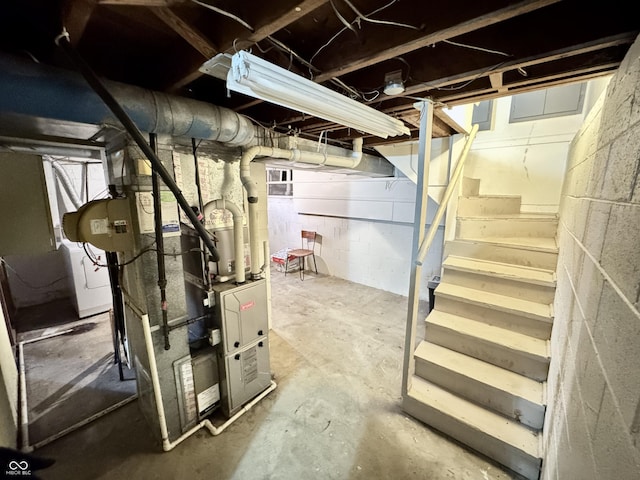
(337, 34)
(95, 260)
(379, 22)
(468, 82)
(342, 19)
(473, 47)
(225, 13)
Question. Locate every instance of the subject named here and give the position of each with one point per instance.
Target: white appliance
(89, 284)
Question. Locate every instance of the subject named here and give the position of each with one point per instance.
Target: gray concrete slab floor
(336, 354)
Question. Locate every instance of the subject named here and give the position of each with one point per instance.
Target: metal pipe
(424, 247)
(238, 233)
(132, 129)
(43, 91)
(205, 263)
(157, 218)
(424, 154)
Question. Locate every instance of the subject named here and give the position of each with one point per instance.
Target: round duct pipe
(35, 89)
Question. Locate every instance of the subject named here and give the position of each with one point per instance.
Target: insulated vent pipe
(43, 91)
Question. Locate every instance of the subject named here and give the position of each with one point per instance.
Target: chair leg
(301, 267)
(315, 265)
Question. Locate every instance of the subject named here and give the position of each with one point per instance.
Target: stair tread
(491, 196)
(504, 270)
(511, 216)
(496, 377)
(479, 418)
(496, 301)
(531, 346)
(544, 244)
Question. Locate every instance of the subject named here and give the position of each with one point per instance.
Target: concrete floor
(69, 376)
(336, 352)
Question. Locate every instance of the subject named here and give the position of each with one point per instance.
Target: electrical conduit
(293, 155)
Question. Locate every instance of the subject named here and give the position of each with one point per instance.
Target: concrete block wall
(592, 426)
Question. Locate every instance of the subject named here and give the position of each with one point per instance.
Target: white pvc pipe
(167, 445)
(155, 382)
(293, 155)
(218, 430)
(24, 411)
(238, 232)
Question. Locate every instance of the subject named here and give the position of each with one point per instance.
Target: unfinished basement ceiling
(453, 52)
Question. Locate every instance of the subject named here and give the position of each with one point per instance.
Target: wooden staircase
(480, 373)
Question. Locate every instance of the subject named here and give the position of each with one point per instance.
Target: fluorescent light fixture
(258, 78)
(217, 66)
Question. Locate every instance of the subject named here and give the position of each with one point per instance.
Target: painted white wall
(8, 389)
(519, 158)
(365, 224)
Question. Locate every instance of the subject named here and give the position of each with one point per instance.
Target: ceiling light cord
(225, 13)
(342, 19)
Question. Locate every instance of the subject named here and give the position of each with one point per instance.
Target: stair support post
(420, 220)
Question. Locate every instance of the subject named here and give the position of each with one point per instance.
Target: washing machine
(89, 284)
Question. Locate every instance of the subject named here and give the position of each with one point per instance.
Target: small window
(280, 182)
(483, 115)
(553, 102)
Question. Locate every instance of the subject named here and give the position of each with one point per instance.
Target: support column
(420, 220)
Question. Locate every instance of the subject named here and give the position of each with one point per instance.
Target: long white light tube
(258, 78)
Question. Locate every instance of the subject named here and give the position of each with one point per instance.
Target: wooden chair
(308, 249)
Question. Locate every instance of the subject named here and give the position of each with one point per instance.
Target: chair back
(308, 240)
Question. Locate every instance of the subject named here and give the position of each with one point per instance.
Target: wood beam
(76, 15)
(530, 85)
(286, 18)
(192, 36)
(261, 32)
(379, 52)
(141, 3)
(496, 80)
(545, 57)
